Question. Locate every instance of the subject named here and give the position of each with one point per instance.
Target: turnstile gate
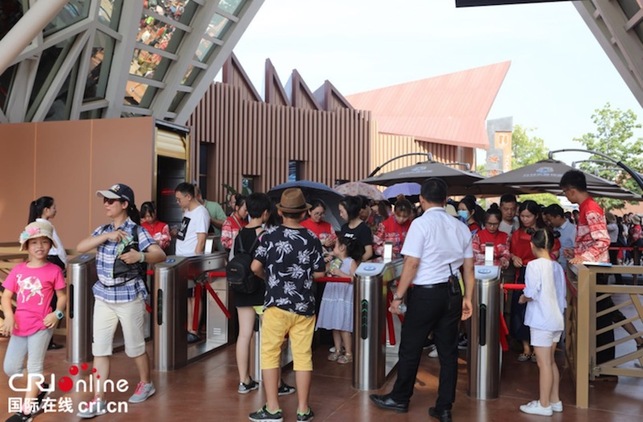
(170, 301)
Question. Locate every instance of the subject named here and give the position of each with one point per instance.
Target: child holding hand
(32, 324)
(336, 310)
(544, 294)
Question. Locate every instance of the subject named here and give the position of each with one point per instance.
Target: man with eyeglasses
(555, 216)
(190, 239)
(592, 244)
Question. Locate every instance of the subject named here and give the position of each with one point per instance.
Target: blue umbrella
(314, 190)
(408, 189)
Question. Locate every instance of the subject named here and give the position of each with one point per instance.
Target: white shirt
(438, 240)
(194, 222)
(509, 228)
(59, 249)
(545, 286)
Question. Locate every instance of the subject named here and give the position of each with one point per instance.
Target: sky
(559, 74)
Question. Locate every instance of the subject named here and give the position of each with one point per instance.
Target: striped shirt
(118, 290)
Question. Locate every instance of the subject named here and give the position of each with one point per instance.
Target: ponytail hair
(37, 207)
(403, 205)
(133, 214)
(354, 248)
(543, 238)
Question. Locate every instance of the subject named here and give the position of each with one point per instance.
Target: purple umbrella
(408, 189)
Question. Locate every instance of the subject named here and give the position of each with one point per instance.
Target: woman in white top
(44, 209)
(544, 294)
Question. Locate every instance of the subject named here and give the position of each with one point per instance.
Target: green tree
(526, 149)
(543, 199)
(615, 137)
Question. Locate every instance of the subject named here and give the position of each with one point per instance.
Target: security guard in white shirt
(436, 247)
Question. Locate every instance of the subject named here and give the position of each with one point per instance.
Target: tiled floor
(206, 390)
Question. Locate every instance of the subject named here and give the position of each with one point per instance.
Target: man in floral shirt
(288, 258)
(592, 244)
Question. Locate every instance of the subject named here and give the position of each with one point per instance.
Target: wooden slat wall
(386, 146)
(257, 139)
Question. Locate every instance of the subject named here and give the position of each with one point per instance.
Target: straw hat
(34, 230)
(293, 201)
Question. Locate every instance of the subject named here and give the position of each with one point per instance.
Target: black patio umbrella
(314, 190)
(545, 175)
(459, 181)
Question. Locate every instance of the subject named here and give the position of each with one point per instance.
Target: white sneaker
(534, 408)
(143, 392)
(556, 407)
(433, 351)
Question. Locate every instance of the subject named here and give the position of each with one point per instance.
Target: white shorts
(544, 338)
(131, 315)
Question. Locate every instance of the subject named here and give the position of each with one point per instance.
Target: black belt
(433, 286)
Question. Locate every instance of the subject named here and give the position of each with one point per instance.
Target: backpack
(240, 277)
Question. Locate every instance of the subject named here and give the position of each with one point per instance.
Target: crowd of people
(292, 245)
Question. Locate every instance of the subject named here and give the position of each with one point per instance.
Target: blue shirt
(567, 239)
(119, 290)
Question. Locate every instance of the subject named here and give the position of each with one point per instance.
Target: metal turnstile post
(372, 360)
(171, 349)
(484, 342)
(81, 274)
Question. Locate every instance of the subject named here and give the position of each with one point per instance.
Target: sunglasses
(110, 201)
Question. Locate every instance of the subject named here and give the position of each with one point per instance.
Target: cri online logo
(66, 383)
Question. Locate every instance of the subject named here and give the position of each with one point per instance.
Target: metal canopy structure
(618, 27)
(114, 58)
(544, 177)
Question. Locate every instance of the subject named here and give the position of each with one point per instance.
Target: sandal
(347, 358)
(524, 357)
(334, 356)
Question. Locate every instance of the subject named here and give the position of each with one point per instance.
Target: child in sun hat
(31, 325)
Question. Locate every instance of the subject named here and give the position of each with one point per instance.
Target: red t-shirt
(521, 247)
(159, 231)
(391, 231)
(321, 228)
(592, 239)
(500, 242)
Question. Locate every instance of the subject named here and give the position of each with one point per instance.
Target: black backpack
(240, 277)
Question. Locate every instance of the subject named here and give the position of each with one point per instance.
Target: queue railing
(583, 294)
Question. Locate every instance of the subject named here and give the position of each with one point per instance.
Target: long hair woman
(44, 209)
(355, 228)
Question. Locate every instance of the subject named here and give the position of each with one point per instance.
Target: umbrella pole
(429, 157)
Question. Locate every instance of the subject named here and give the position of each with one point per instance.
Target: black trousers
(429, 310)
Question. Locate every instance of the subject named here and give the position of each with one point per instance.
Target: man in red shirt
(592, 244)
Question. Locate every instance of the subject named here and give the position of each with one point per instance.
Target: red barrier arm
(197, 304)
(333, 279)
(216, 298)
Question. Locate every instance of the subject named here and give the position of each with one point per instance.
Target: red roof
(448, 109)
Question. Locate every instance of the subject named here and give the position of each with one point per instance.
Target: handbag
(129, 271)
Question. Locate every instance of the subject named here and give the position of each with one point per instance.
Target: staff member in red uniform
(592, 244)
(394, 229)
(491, 234)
